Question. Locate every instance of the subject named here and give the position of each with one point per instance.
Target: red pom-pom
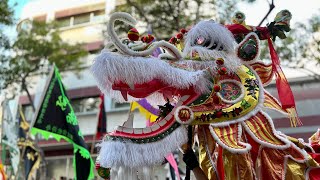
(216, 99)
(97, 166)
(183, 31)
(220, 61)
(173, 40)
(147, 39)
(216, 88)
(219, 114)
(133, 34)
(179, 36)
(222, 71)
(151, 38)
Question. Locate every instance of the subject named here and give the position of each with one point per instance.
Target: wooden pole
(188, 171)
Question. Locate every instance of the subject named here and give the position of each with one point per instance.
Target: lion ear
(248, 50)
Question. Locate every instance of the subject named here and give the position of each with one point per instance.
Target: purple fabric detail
(144, 103)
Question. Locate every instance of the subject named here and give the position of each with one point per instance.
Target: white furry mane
(214, 33)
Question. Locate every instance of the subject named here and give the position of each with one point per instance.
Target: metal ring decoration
(239, 96)
(184, 115)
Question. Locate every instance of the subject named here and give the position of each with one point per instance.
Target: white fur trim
(177, 118)
(215, 32)
(275, 133)
(232, 150)
(210, 30)
(128, 154)
(127, 173)
(241, 89)
(109, 68)
(258, 44)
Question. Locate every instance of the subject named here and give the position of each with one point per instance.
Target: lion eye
(200, 40)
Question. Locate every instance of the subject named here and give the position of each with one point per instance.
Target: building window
(98, 16)
(81, 18)
(69, 21)
(117, 105)
(89, 104)
(64, 22)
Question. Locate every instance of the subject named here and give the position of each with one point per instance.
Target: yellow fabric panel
(148, 115)
(206, 150)
(295, 171)
(237, 166)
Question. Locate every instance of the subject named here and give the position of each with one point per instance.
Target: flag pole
(34, 117)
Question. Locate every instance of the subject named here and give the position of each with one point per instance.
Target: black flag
(55, 117)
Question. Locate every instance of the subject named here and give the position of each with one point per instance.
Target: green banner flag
(55, 117)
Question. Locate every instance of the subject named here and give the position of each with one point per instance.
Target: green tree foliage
(6, 19)
(166, 17)
(312, 50)
(36, 47)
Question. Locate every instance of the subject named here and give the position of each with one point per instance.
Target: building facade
(80, 21)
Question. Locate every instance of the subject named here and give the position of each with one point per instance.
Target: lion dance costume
(212, 76)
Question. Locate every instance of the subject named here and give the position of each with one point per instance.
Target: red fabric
(220, 166)
(254, 147)
(145, 89)
(102, 120)
(140, 90)
(314, 174)
(283, 87)
(240, 29)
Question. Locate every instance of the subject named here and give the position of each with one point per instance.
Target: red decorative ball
(220, 61)
(147, 39)
(173, 40)
(97, 166)
(183, 31)
(216, 100)
(179, 36)
(216, 88)
(133, 34)
(219, 114)
(222, 71)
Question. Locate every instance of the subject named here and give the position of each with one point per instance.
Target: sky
(18, 7)
(301, 10)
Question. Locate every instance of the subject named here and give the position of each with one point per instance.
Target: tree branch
(142, 14)
(271, 7)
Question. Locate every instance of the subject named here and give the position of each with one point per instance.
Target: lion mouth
(159, 129)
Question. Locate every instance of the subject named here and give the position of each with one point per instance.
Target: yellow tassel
(293, 116)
